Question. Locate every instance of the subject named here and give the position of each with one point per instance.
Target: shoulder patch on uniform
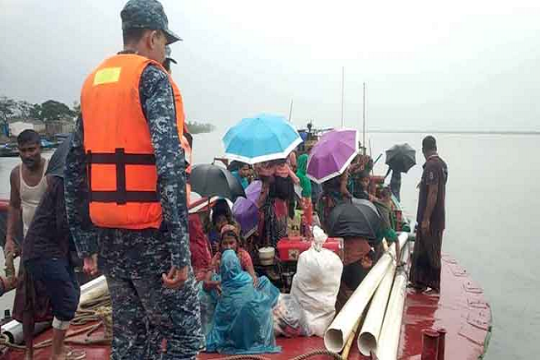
(107, 75)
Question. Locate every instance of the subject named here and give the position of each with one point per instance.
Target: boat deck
(461, 309)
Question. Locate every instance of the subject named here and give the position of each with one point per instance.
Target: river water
(492, 205)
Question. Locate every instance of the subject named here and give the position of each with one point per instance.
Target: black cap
(147, 14)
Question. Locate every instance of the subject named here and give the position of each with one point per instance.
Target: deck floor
(460, 308)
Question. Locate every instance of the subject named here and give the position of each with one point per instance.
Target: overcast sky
(472, 65)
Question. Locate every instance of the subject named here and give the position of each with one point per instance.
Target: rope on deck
(97, 311)
(320, 352)
(242, 357)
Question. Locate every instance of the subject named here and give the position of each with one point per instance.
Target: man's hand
(425, 226)
(90, 265)
(176, 278)
(11, 247)
(255, 281)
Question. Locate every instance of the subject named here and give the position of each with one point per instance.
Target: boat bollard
(442, 335)
(430, 344)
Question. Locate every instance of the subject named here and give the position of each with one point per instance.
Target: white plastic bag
(316, 284)
(289, 318)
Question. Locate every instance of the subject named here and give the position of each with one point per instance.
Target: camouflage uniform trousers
(151, 321)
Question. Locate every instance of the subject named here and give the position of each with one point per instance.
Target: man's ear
(152, 39)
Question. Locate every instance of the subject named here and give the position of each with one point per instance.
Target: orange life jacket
(186, 140)
(122, 174)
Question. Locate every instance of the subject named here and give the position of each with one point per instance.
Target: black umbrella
(211, 180)
(358, 218)
(401, 158)
(57, 162)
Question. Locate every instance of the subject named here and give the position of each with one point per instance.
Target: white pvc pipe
(367, 340)
(389, 337)
(339, 331)
(89, 291)
(14, 330)
(93, 289)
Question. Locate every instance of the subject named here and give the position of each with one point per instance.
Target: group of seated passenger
(242, 312)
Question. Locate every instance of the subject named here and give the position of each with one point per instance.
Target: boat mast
(364, 121)
(342, 92)
(290, 109)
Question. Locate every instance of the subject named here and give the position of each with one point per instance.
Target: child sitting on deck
(230, 240)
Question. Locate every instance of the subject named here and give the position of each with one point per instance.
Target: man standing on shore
(126, 157)
(426, 263)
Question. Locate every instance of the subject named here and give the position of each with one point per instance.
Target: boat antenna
(290, 110)
(342, 92)
(364, 121)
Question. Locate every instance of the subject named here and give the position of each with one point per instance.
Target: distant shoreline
(456, 132)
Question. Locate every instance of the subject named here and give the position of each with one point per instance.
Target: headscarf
(242, 322)
(232, 276)
(229, 228)
(301, 172)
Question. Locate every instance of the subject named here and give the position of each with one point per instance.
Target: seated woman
(230, 240)
(242, 321)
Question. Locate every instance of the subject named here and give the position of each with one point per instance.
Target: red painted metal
(430, 344)
(442, 340)
(460, 309)
(290, 248)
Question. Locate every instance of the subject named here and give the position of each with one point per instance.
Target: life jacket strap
(120, 159)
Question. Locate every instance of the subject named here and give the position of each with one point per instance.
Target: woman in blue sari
(243, 321)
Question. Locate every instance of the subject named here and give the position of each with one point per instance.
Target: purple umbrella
(245, 210)
(332, 154)
(254, 190)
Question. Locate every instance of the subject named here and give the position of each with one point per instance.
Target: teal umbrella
(261, 138)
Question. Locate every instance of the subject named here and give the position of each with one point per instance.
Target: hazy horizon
(467, 66)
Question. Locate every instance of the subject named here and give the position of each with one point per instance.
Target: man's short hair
(133, 35)
(429, 144)
(28, 136)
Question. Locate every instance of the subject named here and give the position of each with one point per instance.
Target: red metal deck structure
(460, 308)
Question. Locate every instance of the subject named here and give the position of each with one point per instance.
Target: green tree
(35, 111)
(8, 107)
(195, 127)
(55, 110)
(24, 108)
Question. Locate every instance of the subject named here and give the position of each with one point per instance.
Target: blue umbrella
(262, 138)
